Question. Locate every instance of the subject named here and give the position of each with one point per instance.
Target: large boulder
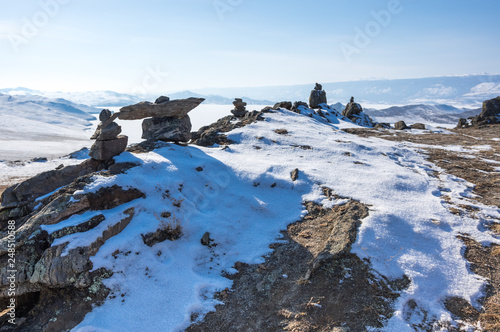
(317, 97)
(170, 129)
(172, 108)
(400, 125)
(105, 150)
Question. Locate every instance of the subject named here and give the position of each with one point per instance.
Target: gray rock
(108, 133)
(351, 109)
(462, 123)
(491, 108)
(297, 104)
(283, 104)
(105, 150)
(382, 125)
(400, 125)
(317, 97)
(238, 112)
(161, 100)
(170, 129)
(294, 174)
(57, 270)
(105, 115)
(239, 108)
(205, 239)
(419, 126)
(174, 108)
(354, 112)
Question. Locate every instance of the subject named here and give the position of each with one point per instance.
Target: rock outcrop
(490, 114)
(239, 109)
(296, 105)
(317, 97)
(214, 133)
(108, 144)
(354, 112)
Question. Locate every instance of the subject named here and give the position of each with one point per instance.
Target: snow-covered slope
(243, 195)
(35, 126)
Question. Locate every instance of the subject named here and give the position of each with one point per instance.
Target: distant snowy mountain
(438, 114)
(459, 91)
(91, 98)
(111, 98)
(35, 126)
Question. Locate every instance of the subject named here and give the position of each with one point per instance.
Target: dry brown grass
(490, 320)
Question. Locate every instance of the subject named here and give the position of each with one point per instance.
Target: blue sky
(171, 45)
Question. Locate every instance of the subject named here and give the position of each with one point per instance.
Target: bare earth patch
(479, 164)
(341, 294)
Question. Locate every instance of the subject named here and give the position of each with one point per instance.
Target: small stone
(199, 169)
(205, 239)
(104, 115)
(162, 99)
(294, 174)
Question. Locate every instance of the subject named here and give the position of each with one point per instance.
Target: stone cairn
(239, 109)
(108, 144)
(318, 96)
(164, 120)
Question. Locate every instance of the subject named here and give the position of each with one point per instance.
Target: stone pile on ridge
(165, 119)
(108, 141)
(239, 109)
(317, 97)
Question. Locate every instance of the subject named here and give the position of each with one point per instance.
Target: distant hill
(439, 114)
(460, 91)
(44, 123)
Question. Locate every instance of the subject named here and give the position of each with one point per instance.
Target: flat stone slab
(178, 108)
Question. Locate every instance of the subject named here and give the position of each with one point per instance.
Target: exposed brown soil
(342, 294)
